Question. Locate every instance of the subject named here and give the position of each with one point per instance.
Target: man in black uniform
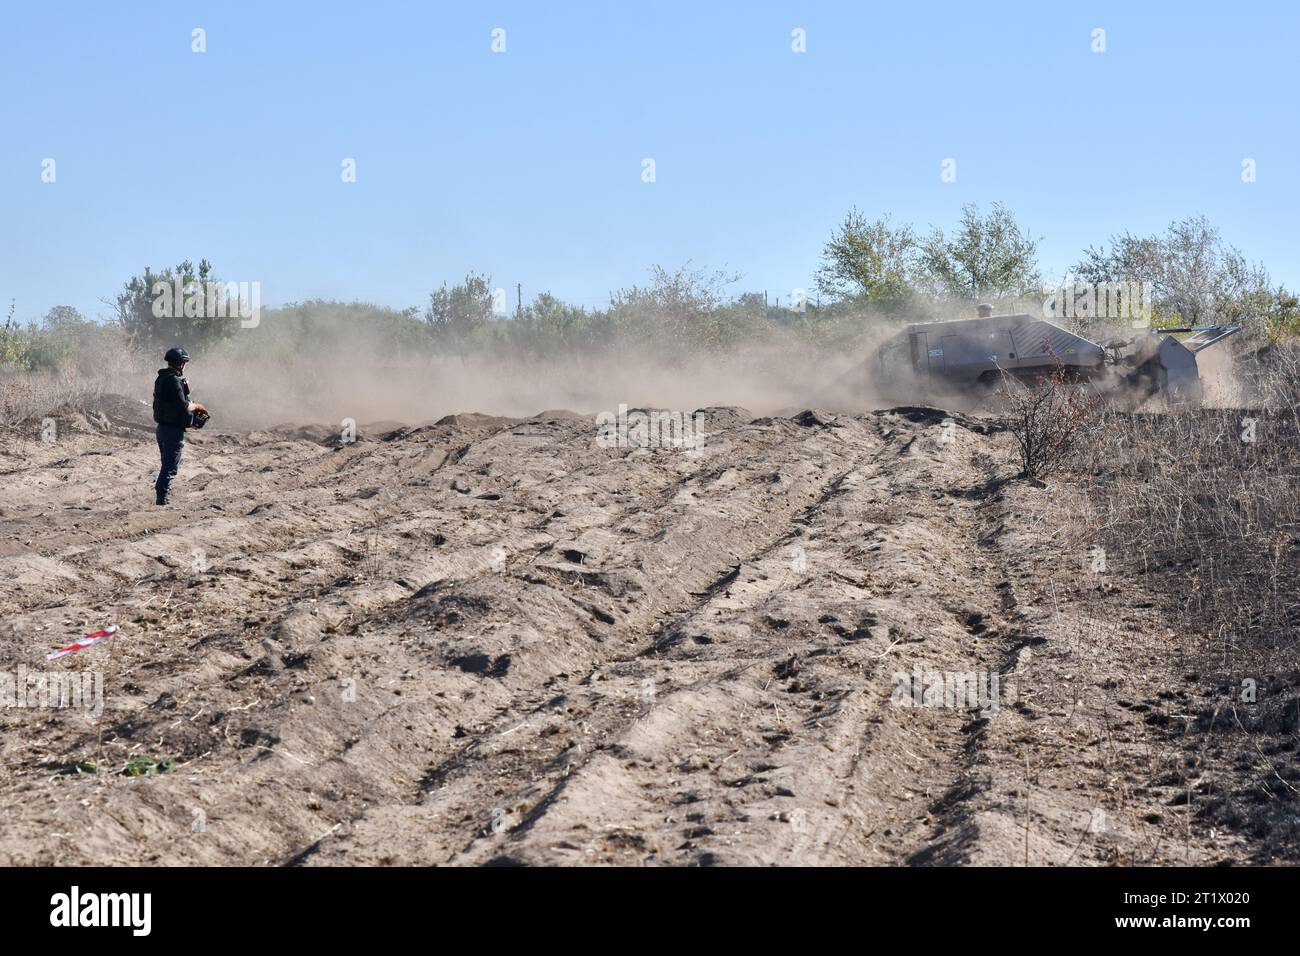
(173, 411)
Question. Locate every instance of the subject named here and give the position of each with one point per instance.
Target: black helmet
(176, 355)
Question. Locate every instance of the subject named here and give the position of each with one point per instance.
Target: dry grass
(1203, 508)
(27, 397)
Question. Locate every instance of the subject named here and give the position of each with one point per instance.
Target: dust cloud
(328, 388)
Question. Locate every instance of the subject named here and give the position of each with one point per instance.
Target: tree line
(871, 270)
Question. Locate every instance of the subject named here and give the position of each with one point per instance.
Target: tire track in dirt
(719, 697)
(649, 571)
(724, 692)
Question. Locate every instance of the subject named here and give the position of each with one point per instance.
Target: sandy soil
(490, 640)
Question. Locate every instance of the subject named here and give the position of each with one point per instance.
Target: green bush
(154, 318)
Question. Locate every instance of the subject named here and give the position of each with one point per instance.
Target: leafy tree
(1196, 278)
(64, 317)
(988, 256)
(456, 314)
(548, 324)
(61, 337)
(868, 260)
(153, 317)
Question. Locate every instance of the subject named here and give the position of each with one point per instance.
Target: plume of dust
(328, 388)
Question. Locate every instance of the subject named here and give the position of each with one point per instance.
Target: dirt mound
(81, 414)
(489, 640)
(124, 411)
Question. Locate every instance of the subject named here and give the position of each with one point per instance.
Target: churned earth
(490, 640)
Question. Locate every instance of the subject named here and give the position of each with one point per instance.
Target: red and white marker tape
(90, 640)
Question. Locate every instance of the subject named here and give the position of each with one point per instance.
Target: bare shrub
(1047, 420)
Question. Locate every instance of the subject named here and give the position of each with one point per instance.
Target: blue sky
(527, 164)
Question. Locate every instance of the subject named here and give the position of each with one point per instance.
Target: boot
(163, 500)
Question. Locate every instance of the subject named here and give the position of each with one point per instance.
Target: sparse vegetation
(1048, 419)
(1201, 507)
(31, 396)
